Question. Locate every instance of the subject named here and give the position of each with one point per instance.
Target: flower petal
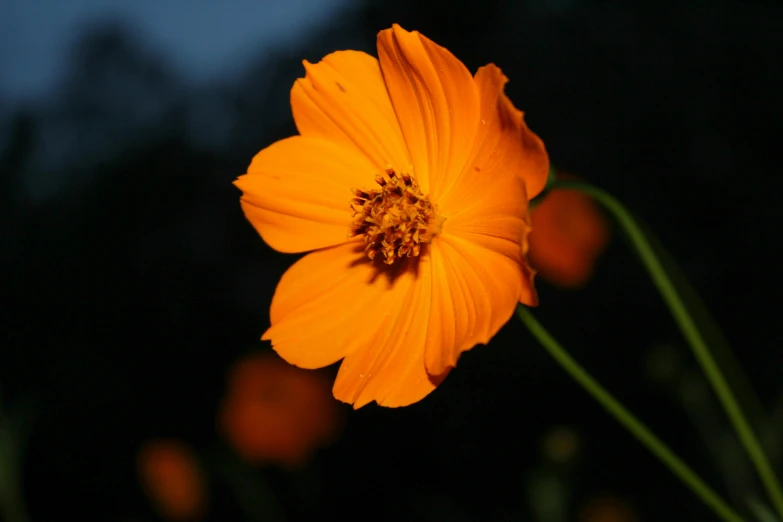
(495, 217)
(390, 370)
(343, 98)
(329, 304)
(504, 145)
(489, 206)
(474, 293)
(506, 136)
(436, 102)
(297, 192)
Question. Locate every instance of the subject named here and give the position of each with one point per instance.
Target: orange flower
(170, 475)
(607, 509)
(277, 413)
(569, 233)
(410, 180)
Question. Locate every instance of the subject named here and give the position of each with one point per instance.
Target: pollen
(395, 219)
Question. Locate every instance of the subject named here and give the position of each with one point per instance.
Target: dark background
(129, 290)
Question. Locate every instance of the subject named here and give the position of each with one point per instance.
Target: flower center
(394, 219)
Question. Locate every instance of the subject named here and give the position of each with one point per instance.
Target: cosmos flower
(569, 234)
(275, 413)
(410, 182)
(169, 472)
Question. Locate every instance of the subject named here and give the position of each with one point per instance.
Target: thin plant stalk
(628, 420)
(692, 334)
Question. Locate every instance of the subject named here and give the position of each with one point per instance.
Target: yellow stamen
(395, 219)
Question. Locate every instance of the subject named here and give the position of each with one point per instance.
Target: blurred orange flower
(170, 475)
(277, 413)
(410, 179)
(607, 509)
(569, 234)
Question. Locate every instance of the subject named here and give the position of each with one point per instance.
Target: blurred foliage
(132, 281)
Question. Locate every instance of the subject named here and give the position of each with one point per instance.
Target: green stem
(690, 331)
(626, 418)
